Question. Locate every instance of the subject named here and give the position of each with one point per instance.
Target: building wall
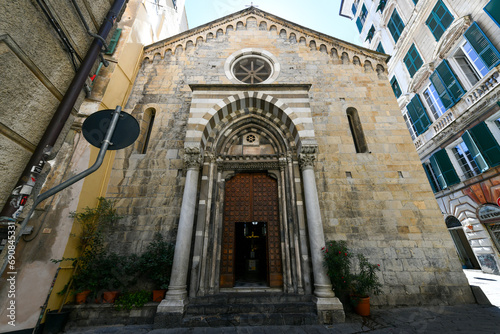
(476, 105)
(52, 223)
(380, 202)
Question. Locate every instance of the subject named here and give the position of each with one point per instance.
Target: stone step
(250, 319)
(253, 298)
(213, 309)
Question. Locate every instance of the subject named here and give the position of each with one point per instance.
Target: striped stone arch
(297, 129)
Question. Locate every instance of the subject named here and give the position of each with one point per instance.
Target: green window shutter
(412, 60)
(380, 48)
(113, 42)
(482, 45)
(492, 10)
(418, 115)
(474, 151)
(439, 20)
(359, 24)
(486, 143)
(395, 25)
(429, 177)
(395, 87)
(450, 81)
(445, 172)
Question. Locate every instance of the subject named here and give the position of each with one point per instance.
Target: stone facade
(378, 200)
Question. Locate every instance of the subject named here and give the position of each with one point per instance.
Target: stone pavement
(407, 320)
(490, 284)
(470, 319)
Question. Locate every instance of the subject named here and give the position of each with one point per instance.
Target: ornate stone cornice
(420, 78)
(192, 157)
(451, 36)
(307, 156)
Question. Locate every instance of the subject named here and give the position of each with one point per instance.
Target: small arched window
(148, 120)
(356, 131)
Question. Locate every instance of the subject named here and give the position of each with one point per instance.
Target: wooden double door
(251, 232)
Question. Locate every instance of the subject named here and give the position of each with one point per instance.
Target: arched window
(356, 131)
(148, 120)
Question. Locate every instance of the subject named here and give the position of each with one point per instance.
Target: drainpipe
(19, 196)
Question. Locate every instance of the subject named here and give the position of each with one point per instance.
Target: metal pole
(67, 183)
(19, 196)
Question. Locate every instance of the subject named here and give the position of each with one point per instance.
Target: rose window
(252, 70)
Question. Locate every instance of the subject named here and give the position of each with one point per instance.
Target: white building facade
(444, 71)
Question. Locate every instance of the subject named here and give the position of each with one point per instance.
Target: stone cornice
(246, 87)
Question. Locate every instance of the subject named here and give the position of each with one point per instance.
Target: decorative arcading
(192, 157)
(285, 31)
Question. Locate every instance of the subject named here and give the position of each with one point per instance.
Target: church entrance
(251, 246)
(250, 254)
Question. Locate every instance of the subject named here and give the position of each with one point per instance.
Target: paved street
(470, 319)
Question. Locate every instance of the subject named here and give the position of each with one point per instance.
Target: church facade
(260, 141)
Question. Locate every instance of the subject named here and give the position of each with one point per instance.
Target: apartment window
(497, 123)
(412, 60)
(380, 48)
(395, 87)
(446, 84)
(492, 10)
(439, 20)
(483, 146)
(431, 176)
(370, 34)
(465, 160)
(418, 115)
(415, 2)
(482, 45)
(434, 102)
(443, 169)
(470, 63)
(354, 9)
(409, 125)
(381, 5)
(478, 63)
(395, 25)
(174, 2)
(361, 18)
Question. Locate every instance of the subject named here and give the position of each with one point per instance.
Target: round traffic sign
(95, 126)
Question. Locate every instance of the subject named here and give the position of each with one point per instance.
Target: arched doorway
(251, 247)
(464, 250)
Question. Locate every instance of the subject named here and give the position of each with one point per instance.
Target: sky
(319, 15)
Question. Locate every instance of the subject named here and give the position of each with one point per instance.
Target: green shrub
(129, 300)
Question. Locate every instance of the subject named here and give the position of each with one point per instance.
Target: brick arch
(267, 106)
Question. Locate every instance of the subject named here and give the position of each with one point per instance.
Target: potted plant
(156, 264)
(364, 283)
(353, 278)
(88, 274)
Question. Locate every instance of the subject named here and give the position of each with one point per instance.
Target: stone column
(329, 307)
(176, 298)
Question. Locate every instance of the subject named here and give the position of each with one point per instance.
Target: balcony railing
(443, 121)
(473, 96)
(483, 87)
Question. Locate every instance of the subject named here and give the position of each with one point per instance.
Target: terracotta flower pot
(158, 295)
(81, 297)
(363, 307)
(109, 297)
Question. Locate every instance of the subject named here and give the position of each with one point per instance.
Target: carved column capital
(192, 158)
(307, 156)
